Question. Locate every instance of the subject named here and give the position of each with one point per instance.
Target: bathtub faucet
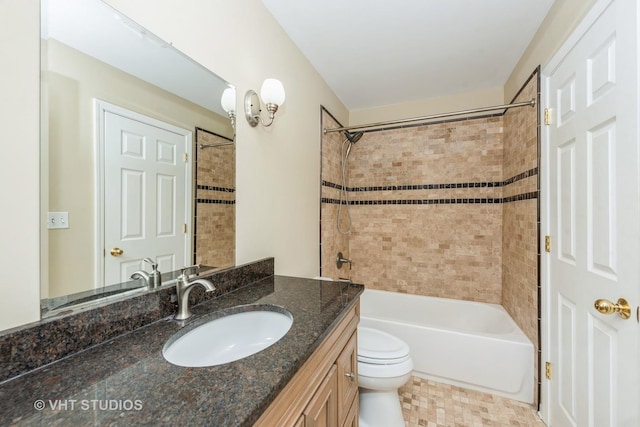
(340, 259)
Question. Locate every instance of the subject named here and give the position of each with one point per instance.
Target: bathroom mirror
(137, 156)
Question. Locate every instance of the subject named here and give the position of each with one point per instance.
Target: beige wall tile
(215, 222)
(520, 218)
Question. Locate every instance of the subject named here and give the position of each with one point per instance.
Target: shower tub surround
(129, 376)
(449, 209)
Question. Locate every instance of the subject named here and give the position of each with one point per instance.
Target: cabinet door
(322, 410)
(300, 422)
(352, 416)
(347, 364)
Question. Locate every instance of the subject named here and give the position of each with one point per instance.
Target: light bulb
(228, 100)
(272, 92)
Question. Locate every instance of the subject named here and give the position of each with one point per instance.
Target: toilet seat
(380, 348)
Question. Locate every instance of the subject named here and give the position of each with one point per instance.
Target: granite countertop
(127, 381)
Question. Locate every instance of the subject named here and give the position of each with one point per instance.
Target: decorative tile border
(214, 188)
(470, 200)
(216, 201)
(417, 186)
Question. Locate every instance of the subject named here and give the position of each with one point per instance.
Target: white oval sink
(228, 338)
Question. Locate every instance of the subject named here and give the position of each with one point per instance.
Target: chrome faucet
(151, 280)
(141, 274)
(183, 289)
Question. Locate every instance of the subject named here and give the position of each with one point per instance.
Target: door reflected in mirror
(137, 193)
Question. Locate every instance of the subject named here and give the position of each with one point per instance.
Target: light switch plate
(58, 220)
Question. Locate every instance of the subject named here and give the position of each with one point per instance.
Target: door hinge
(185, 157)
(184, 228)
(547, 243)
(547, 369)
(547, 116)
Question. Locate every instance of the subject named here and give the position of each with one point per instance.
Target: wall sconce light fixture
(272, 94)
(228, 102)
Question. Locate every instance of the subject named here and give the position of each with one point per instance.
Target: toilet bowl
(384, 365)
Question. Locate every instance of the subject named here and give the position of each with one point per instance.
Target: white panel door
(146, 195)
(594, 220)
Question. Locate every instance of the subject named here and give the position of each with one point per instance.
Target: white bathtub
(468, 344)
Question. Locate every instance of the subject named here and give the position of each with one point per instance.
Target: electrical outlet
(58, 220)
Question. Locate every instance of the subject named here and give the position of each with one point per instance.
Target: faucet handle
(154, 265)
(195, 268)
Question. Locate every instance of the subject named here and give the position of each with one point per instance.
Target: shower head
(353, 137)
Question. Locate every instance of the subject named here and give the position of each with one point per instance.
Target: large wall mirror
(137, 157)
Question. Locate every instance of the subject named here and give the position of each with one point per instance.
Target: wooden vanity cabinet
(324, 392)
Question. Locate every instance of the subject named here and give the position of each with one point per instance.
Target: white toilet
(384, 365)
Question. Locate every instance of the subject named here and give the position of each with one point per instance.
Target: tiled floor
(426, 403)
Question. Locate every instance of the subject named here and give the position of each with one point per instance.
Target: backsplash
(34, 345)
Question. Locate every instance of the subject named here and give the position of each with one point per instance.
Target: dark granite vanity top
(126, 380)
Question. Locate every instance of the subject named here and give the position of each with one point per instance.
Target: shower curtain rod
(373, 126)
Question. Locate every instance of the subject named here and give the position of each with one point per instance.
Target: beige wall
(278, 167)
(561, 20)
(19, 174)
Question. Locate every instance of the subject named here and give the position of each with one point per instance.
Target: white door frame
(545, 214)
(100, 109)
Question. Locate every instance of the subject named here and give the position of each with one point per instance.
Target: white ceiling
(381, 52)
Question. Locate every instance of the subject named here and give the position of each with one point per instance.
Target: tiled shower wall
(447, 209)
(426, 211)
(425, 216)
(331, 240)
(520, 250)
(214, 236)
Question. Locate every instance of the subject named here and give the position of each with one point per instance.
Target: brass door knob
(116, 252)
(350, 375)
(605, 306)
